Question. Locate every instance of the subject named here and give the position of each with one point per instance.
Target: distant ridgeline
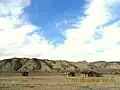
(45, 65)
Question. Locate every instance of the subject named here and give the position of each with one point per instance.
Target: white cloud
(79, 43)
(13, 37)
(13, 8)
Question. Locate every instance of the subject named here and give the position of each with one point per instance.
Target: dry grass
(59, 83)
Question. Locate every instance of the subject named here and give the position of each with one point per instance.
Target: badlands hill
(45, 65)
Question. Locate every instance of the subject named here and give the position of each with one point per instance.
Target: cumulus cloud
(80, 43)
(14, 30)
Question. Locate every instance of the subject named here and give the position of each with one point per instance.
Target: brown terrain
(45, 65)
(46, 74)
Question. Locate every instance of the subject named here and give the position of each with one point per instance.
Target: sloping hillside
(103, 64)
(105, 67)
(45, 65)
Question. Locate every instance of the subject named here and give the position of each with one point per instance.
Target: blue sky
(47, 13)
(73, 30)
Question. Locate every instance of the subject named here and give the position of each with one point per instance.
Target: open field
(57, 82)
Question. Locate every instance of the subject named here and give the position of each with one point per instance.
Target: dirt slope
(45, 65)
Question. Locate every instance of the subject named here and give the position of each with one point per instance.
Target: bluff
(45, 65)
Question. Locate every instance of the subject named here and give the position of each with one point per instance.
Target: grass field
(57, 82)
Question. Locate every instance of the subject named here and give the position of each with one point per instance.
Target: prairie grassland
(59, 83)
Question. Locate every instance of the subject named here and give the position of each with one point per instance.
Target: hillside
(45, 65)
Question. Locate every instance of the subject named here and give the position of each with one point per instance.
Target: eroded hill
(45, 65)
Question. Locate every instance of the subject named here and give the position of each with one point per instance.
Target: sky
(72, 30)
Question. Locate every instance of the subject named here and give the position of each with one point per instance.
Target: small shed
(24, 73)
(71, 74)
(93, 74)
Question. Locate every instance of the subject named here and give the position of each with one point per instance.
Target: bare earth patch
(59, 83)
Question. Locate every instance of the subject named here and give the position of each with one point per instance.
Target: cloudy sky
(73, 30)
